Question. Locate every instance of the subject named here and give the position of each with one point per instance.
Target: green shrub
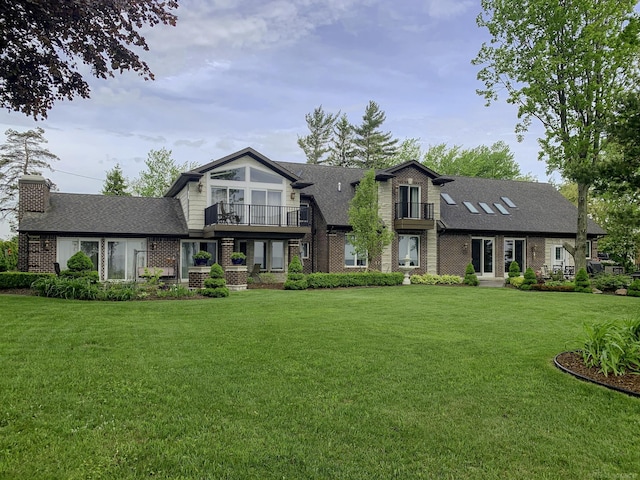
(216, 271)
(296, 280)
(553, 287)
(582, 282)
(215, 292)
(516, 281)
(356, 279)
(175, 291)
(470, 277)
(8, 255)
(20, 279)
(612, 347)
(79, 262)
(119, 292)
(608, 282)
(634, 289)
(529, 279)
(514, 269)
(215, 286)
(67, 288)
(431, 279)
(90, 275)
(268, 277)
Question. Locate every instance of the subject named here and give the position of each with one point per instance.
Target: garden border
(588, 379)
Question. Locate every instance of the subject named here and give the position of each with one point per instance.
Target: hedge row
(431, 279)
(360, 279)
(20, 279)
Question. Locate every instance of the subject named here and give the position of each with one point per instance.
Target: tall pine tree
(115, 184)
(374, 148)
(342, 148)
(316, 144)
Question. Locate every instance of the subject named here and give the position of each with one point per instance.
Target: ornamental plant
(514, 269)
(296, 280)
(582, 282)
(529, 279)
(634, 289)
(470, 277)
(215, 285)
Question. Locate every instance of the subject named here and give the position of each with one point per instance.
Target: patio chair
(56, 268)
(544, 271)
(227, 217)
(255, 273)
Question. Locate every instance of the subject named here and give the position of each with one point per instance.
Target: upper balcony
(414, 216)
(240, 219)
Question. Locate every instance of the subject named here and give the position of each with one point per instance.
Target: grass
(397, 382)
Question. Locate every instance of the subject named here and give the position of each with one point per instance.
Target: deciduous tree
(563, 62)
(22, 154)
(370, 235)
(42, 42)
(160, 174)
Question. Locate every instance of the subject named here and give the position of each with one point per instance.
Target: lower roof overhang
(254, 231)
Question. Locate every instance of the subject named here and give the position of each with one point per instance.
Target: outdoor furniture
(556, 269)
(255, 272)
(56, 268)
(544, 272)
(594, 268)
(569, 271)
(227, 217)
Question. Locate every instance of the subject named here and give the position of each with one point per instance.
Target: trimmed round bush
(214, 282)
(216, 271)
(215, 292)
(634, 289)
(296, 280)
(514, 269)
(79, 262)
(529, 279)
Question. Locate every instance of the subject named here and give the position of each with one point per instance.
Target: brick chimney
(33, 193)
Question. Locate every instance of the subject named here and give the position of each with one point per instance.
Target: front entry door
(482, 256)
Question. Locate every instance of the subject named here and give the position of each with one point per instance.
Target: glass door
(482, 256)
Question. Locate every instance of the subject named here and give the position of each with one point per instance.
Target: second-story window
(409, 201)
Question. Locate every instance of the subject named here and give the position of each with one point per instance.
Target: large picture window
(351, 258)
(125, 257)
(409, 245)
(269, 254)
(67, 247)
(189, 248)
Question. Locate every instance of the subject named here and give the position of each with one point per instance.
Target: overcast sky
(239, 73)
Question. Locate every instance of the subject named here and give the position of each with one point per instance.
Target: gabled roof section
(332, 188)
(540, 208)
(82, 214)
(197, 173)
(415, 164)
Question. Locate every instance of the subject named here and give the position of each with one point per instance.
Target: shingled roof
(72, 213)
(539, 208)
(332, 189)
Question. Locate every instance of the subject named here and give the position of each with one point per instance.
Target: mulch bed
(572, 361)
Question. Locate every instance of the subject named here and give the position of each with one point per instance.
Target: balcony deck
(414, 216)
(248, 220)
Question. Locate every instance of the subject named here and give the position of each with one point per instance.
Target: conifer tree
(316, 144)
(342, 145)
(374, 148)
(115, 184)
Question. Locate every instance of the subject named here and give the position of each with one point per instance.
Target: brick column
(236, 277)
(197, 276)
(227, 249)
(294, 249)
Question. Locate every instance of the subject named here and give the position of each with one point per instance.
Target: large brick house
(272, 211)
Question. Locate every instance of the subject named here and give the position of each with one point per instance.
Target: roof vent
(339, 186)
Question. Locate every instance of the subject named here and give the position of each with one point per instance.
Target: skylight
(447, 198)
(501, 208)
(508, 201)
(470, 207)
(485, 207)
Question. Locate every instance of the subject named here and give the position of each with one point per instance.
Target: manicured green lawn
(397, 382)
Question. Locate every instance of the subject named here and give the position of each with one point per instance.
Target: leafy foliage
(470, 277)
(431, 279)
(612, 347)
(8, 255)
(564, 63)
(360, 279)
(46, 39)
(370, 235)
(216, 285)
(67, 288)
(9, 280)
(495, 161)
(161, 171)
(608, 282)
(529, 280)
(634, 289)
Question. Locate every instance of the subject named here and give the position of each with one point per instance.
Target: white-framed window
(68, 246)
(304, 249)
(409, 245)
(124, 256)
(588, 250)
(351, 258)
(188, 248)
(269, 254)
